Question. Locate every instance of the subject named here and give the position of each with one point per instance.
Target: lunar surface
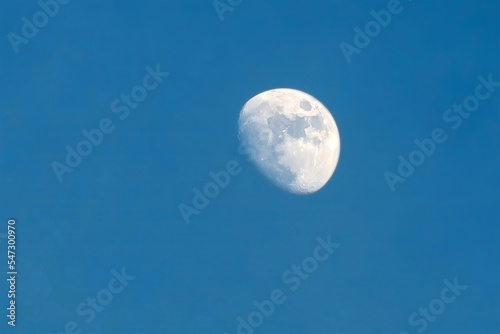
(292, 137)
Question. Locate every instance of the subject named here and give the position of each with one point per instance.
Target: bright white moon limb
(294, 138)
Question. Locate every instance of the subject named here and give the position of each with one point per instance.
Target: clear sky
(118, 209)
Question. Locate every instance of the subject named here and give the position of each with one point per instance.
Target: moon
(292, 138)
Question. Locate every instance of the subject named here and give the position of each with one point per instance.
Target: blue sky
(119, 207)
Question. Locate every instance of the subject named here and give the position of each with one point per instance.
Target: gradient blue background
(119, 208)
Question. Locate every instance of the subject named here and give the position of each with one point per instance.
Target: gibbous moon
(292, 139)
